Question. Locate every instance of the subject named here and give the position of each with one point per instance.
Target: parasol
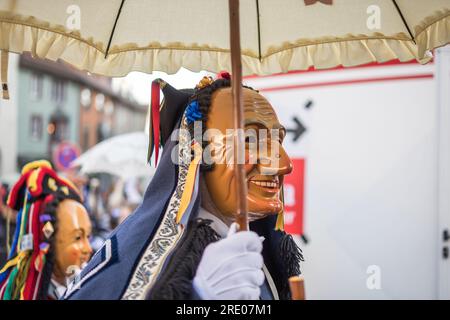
(122, 155)
(114, 37)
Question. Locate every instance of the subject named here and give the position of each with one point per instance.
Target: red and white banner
(294, 198)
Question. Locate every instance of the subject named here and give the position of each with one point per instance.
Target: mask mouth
(265, 182)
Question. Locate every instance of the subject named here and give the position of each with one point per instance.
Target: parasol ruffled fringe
(27, 34)
(433, 32)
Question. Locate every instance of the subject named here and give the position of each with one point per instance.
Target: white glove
(230, 269)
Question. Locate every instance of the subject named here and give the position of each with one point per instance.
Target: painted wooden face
(72, 248)
(266, 162)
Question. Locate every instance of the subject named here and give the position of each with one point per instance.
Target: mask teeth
(268, 184)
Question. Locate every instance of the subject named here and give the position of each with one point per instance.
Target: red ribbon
(155, 118)
(34, 281)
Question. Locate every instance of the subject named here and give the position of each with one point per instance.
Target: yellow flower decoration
(206, 81)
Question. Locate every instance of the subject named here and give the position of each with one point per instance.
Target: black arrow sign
(309, 104)
(298, 130)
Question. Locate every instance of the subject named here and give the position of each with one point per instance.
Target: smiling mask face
(72, 248)
(266, 162)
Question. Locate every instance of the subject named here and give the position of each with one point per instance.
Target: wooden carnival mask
(266, 162)
(72, 248)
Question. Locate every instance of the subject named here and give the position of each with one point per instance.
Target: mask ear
(165, 116)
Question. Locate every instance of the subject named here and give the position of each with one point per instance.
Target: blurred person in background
(51, 241)
(116, 200)
(7, 221)
(132, 192)
(133, 197)
(118, 204)
(101, 220)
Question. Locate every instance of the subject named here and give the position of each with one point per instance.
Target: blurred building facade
(48, 108)
(105, 112)
(58, 103)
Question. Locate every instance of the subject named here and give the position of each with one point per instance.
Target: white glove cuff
(202, 288)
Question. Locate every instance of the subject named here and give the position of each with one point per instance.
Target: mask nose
(274, 160)
(86, 248)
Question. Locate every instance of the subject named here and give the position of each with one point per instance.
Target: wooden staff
(296, 284)
(236, 80)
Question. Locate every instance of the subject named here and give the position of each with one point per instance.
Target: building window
(36, 127)
(58, 130)
(36, 86)
(58, 91)
(109, 108)
(99, 102)
(86, 98)
(85, 138)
